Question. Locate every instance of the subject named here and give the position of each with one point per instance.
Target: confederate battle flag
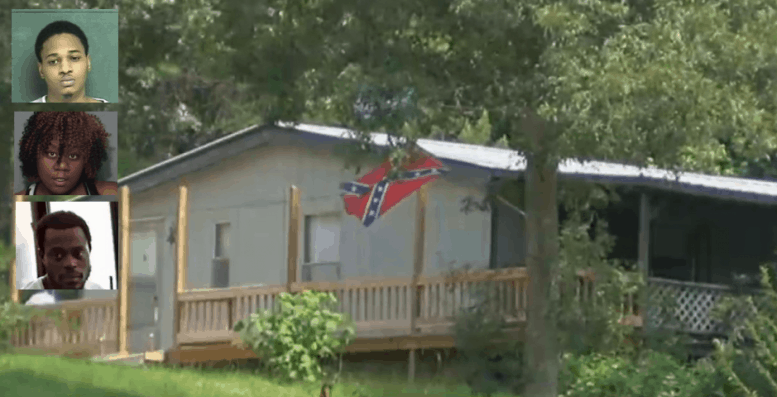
(373, 194)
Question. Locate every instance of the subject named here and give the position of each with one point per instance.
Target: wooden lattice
(693, 304)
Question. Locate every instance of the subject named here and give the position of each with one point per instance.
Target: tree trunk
(542, 349)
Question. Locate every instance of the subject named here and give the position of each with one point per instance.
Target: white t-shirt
(42, 298)
(38, 284)
(43, 100)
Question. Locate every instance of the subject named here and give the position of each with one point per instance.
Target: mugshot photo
(66, 245)
(66, 153)
(65, 56)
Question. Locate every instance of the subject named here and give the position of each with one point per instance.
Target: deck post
(124, 270)
(418, 270)
(182, 248)
(12, 268)
(644, 251)
(411, 366)
(292, 257)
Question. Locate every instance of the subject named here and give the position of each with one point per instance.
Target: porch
(380, 308)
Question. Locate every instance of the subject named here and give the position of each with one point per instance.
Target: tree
(666, 83)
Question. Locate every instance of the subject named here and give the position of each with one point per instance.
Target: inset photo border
(103, 185)
(43, 81)
(75, 260)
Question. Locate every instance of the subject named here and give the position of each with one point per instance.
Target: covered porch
(382, 308)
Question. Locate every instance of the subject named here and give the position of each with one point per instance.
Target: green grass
(29, 375)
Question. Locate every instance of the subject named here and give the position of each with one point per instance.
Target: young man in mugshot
(64, 63)
(61, 153)
(63, 247)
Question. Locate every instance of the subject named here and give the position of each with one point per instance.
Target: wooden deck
(379, 308)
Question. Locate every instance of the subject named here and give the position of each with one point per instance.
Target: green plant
(491, 361)
(301, 338)
(748, 359)
(13, 316)
(654, 374)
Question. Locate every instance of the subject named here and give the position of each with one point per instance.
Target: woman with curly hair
(61, 153)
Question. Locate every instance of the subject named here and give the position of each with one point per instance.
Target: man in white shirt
(64, 244)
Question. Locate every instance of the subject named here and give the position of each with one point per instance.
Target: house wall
(250, 191)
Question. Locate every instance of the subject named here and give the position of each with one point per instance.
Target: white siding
(251, 192)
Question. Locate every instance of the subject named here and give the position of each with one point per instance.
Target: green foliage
(303, 333)
(588, 312)
(652, 375)
(491, 359)
(480, 133)
(748, 359)
(13, 316)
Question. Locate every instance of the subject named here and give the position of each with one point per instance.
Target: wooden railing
(211, 315)
(90, 325)
(378, 307)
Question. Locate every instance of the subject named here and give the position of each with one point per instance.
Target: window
(508, 247)
(221, 256)
(322, 248)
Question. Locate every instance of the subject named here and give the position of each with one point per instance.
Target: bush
(490, 360)
(748, 360)
(13, 316)
(300, 336)
(654, 374)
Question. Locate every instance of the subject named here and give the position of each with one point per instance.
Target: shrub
(13, 316)
(300, 336)
(490, 360)
(748, 360)
(654, 374)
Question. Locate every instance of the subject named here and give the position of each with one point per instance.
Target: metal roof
(506, 161)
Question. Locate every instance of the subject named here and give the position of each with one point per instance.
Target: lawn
(29, 375)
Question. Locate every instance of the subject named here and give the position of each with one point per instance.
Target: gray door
(143, 297)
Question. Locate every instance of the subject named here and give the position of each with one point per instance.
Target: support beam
(181, 244)
(292, 264)
(418, 270)
(644, 234)
(182, 239)
(644, 251)
(124, 269)
(12, 268)
(411, 366)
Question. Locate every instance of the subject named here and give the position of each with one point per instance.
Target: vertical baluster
(223, 305)
(459, 297)
(376, 314)
(197, 316)
(239, 307)
(396, 300)
(183, 321)
(438, 300)
(363, 304)
(382, 303)
(502, 298)
(369, 301)
(408, 290)
(208, 321)
(426, 300)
